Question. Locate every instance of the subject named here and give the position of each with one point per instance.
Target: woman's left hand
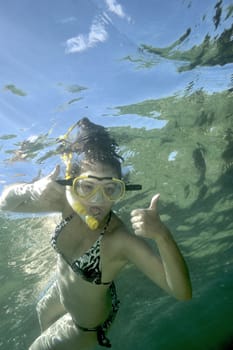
(147, 222)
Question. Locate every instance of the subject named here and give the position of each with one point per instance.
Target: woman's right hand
(42, 195)
(48, 185)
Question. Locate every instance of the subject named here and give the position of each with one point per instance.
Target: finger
(136, 218)
(54, 174)
(154, 200)
(139, 218)
(138, 226)
(138, 232)
(136, 212)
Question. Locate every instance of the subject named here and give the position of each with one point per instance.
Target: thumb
(54, 174)
(154, 200)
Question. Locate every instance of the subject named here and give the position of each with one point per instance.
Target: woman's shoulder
(117, 227)
(119, 234)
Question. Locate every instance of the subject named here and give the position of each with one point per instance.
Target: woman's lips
(96, 211)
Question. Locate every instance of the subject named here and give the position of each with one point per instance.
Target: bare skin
(89, 304)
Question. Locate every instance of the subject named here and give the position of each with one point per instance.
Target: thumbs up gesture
(146, 222)
(47, 188)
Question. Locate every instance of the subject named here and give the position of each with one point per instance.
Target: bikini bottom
(102, 329)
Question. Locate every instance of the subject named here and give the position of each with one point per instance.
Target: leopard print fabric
(88, 266)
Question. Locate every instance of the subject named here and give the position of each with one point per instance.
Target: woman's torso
(88, 303)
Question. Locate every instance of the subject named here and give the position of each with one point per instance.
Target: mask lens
(83, 187)
(112, 190)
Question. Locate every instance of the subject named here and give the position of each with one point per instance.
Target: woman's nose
(98, 196)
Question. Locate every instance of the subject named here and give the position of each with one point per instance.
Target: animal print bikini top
(88, 266)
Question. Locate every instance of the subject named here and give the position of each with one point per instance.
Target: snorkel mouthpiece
(91, 222)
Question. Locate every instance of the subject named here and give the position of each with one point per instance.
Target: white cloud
(116, 8)
(97, 32)
(68, 20)
(82, 42)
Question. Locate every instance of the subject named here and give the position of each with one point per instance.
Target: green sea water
(196, 203)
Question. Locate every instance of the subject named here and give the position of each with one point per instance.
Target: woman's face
(98, 204)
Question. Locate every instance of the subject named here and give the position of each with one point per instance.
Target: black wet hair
(91, 144)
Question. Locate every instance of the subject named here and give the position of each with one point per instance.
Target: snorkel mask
(76, 187)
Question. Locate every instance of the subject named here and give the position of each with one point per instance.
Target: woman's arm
(44, 195)
(168, 270)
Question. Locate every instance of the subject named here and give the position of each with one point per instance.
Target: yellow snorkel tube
(91, 222)
(67, 157)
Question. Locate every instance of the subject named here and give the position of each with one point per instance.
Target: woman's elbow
(184, 294)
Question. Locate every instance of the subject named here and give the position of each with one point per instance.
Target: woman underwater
(92, 243)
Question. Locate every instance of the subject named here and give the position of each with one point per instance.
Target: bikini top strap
(107, 223)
